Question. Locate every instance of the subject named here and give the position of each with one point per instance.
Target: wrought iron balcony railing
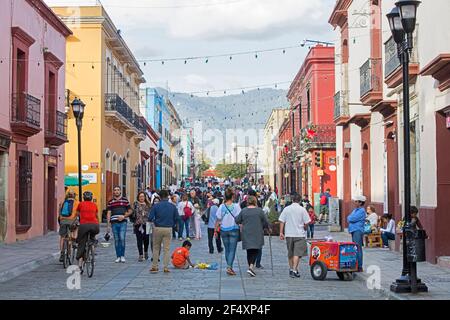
(341, 107)
(370, 77)
(26, 109)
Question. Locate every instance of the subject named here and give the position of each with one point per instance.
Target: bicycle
(89, 256)
(68, 251)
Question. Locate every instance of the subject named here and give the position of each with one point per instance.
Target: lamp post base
(403, 285)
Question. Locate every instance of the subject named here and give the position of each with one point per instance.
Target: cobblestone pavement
(132, 280)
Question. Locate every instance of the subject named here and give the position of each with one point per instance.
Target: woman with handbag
(229, 230)
(139, 218)
(253, 221)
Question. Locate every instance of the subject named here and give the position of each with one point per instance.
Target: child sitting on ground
(180, 257)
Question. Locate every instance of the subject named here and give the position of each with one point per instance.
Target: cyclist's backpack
(187, 212)
(67, 208)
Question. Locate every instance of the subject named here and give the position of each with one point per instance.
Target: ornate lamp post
(402, 21)
(78, 111)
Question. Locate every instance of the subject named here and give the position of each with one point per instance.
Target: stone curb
(385, 291)
(27, 267)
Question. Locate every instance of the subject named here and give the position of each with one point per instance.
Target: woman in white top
(388, 233)
(197, 220)
(183, 219)
(372, 217)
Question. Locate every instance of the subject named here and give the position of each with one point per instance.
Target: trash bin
(420, 245)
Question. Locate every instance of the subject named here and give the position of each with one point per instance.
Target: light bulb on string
(206, 60)
(256, 55)
(185, 61)
(162, 62)
(284, 51)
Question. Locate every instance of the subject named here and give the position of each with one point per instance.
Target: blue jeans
(230, 241)
(119, 231)
(357, 237)
(183, 225)
(310, 231)
(386, 236)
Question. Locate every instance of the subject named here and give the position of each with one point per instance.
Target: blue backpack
(67, 208)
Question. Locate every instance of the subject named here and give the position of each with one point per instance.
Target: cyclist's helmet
(87, 196)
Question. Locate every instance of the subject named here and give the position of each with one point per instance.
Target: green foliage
(233, 170)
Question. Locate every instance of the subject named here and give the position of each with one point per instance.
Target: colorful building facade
(368, 113)
(32, 118)
(104, 74)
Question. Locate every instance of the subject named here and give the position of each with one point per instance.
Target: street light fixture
(161, 153)
(78, 111)
(402, 21)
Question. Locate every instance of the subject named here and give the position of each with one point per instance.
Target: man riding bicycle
(89, 226)
(67, 219)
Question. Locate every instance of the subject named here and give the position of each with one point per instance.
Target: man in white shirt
(294, 222)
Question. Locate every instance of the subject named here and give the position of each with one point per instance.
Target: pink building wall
(49, 34)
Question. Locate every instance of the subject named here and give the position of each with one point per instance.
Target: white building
(368, 114)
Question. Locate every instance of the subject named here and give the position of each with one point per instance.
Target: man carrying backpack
(324, 200)
(67, 218)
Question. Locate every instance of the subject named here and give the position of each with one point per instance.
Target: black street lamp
(402, 21)
(181, 155)
(161, 153)
(78, 111)
(274, 145)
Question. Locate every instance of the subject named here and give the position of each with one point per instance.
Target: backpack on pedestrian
(187, 212)
(67, 208)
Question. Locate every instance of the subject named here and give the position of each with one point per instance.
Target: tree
(233, 170)
(204, 163)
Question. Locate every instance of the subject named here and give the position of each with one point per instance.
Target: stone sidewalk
(24, 256)
(390, 263)
(30, 258)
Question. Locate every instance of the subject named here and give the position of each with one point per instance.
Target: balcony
(56, 128)
(393, 73)
(25, 115)
(324, 138)
(121, 116)
(371, 90)
(341, 108)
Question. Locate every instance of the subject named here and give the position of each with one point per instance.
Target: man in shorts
(294, 222)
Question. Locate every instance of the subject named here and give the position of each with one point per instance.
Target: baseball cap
(216, 201)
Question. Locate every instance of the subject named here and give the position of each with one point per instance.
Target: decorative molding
(439, 69)
(48, 15)
(53, 60)
(22, 36)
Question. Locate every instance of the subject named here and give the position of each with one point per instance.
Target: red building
(309, 133)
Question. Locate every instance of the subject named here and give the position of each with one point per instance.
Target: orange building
(308, 151)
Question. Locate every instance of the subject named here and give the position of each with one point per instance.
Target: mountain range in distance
(249, 109)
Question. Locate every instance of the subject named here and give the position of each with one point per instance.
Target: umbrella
(70, 181)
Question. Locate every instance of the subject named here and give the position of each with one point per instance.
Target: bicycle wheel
(90, 260)
(68, 255)
(74, 254)
(64, 254)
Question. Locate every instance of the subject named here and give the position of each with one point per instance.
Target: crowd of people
(231, 215)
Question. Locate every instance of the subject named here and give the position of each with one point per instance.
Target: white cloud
(237, 19)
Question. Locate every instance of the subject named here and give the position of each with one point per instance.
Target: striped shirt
(118, 207)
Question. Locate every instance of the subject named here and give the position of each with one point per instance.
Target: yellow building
(102, 71)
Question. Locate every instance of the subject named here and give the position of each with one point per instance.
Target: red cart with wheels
(333, 256)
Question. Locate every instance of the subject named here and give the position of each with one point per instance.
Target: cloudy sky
(163, 29)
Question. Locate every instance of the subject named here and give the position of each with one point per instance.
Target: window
(24, 196)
